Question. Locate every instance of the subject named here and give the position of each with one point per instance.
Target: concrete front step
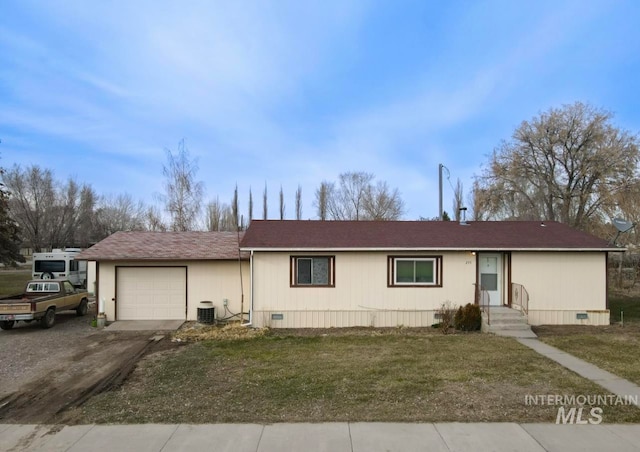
(520, 321)
(520, 326)
(507, 322)
(507, 315)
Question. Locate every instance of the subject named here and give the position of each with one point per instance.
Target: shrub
(468, 318)
(446, 315)
(458, 318)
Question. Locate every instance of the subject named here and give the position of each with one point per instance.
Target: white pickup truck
(41, 300)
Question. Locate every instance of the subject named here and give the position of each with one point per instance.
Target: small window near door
(316, 271)
(415, 271)
(489, 281)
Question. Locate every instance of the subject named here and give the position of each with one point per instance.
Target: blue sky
(296, 92)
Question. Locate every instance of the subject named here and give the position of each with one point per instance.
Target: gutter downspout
(250, 323)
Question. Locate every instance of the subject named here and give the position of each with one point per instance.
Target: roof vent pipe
(463, 216)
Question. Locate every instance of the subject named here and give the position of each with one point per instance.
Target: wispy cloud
(284, 92)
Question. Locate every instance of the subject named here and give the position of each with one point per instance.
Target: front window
(415, 271)
(312, 271)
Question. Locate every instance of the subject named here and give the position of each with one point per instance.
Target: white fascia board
(324, 250)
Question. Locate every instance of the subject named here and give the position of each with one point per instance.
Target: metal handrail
(520, 297)
(482, 296)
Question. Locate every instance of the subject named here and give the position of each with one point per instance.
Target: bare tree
(264, 202)
(347, 202)
(299, 203)
(381, 203)
(87, 230)
(282, 206)
(566, 164)
(32, 198)
(227, 221)
(322, 199)
(627, 206)
(234, 209)
(47, 211)
(458, 199)
(476, 199)
(250, 205)
(356, 197)
(219, 216)
(120, 213)
(153, 220)
(183, 194)
(63, 222)
(213, 215)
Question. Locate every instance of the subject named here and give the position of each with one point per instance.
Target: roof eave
(161, 259)
(344, 249)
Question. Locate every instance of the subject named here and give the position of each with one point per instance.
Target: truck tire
(82, 308)
(46, 275)
(7, 324)
(49, 318)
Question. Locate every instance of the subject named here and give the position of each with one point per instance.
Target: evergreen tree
(9, 231)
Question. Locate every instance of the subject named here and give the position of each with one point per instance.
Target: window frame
(52, 266)
(331, 276)
(392, 271)
(43, 287)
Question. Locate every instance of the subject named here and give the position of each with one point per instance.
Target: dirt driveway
(43, 372)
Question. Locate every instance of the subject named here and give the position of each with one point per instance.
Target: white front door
(490, 277)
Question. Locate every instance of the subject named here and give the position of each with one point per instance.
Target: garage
(151, 293)
(145, 275)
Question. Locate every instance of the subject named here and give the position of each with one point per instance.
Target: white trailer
(60, 263)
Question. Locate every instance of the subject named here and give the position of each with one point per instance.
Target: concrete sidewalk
(612, 383)
(330, 437)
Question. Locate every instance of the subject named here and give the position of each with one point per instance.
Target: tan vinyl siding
(215, 281)
(570, 317)
(560, 285)
(107, 288)
(360, 286)
(338, 319)
(562, 281)
(206, 281)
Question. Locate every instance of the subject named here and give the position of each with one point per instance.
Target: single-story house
(389, 273)
(165, 275)
(293, 274)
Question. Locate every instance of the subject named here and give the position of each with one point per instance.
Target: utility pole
(440, 166)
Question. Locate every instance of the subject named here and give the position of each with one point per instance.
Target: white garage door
(151, 293)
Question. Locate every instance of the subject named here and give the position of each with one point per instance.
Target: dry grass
(195, 332)
(613, 348)
(624, 304)
(335, 375)
(13, 281)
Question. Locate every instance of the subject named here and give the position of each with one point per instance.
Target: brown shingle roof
(486, 235)
(165, 246)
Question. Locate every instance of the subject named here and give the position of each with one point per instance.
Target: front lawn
(400, 375)
(613, 348)
(626, 304)
(13, 281)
